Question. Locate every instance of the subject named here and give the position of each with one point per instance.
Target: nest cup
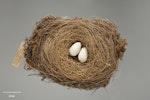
(47, 51)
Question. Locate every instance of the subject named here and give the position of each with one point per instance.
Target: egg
(75, 49)
(83, 55)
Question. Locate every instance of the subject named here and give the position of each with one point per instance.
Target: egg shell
(75, 49)
(83, 55)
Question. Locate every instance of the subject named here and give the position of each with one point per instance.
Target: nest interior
(46, 51)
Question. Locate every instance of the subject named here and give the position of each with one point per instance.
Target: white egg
(83, 55)
(75, 49)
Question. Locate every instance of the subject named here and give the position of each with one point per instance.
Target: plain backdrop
(131, 82)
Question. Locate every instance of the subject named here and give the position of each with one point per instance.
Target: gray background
(131, 82)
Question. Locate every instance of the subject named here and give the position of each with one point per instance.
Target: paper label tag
(17, 60)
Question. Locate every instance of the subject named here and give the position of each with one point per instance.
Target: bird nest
(47, 51)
